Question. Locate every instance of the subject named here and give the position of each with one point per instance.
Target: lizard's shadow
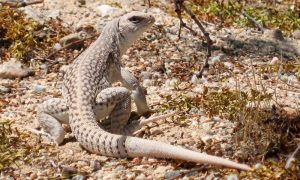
(69, 139)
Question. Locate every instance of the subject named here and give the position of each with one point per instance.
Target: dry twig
(257, 24)
(69, 45)
(179, 6)
(20, 4)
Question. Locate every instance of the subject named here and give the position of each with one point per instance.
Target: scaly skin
(88, 94)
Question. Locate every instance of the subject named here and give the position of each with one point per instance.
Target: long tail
(96, 140)
(137, 147)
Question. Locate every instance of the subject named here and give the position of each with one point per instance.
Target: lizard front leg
(51, 115)
(138, 94)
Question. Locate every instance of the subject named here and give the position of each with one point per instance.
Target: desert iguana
(89, 96)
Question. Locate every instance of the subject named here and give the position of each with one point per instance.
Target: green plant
(17, 32)
(13, 146)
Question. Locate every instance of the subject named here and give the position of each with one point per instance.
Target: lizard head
(131, 26)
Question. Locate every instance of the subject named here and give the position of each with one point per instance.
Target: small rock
(172, 174)
(242, 155)
(258, 166)
(172, 82)
(146, 74)
(147, 83)
(57, 46)
(196, 80)
(207, 139)
(296, 34)
(4, 90)
(275, 60)
(215, 59)
(228, 65)
(95, 165)
(79, 177)
(39, 88)
(130, 176)
(106, 10)
(70, 39)
(160, 171)
(274, 34)
(68, 170)
(81, 2)
(232, 177)
(141, 177)
(33, 176)
(13, 70)
(155, 131)
(150, 37)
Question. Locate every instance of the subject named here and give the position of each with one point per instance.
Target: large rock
(13, 69)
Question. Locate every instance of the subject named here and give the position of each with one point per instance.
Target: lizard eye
(135, 19)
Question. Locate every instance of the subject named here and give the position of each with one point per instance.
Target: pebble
(33, 176)
(275, 34)
(207, 139)
(57, 46)
(106, 10)
(172, 82)
(81, 2)
(150, 36)
(215, 59)
(275, 60)
(258, 166)
(4, 90)
(79, 177)
(141, 177)
(68, 170)
(95, 165)
(155, 131)
(146, 75)
(241, 155)
(70, 39)
(228, 65)
(39, 88)
(232, 177)
(160, 171)
(148, 83)
(172, 174)
(296, 34)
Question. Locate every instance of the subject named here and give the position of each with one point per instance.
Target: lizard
(88, 95)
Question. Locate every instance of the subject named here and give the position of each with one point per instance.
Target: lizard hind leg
(51, 114)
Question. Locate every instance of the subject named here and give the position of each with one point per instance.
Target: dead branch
(69, 45)
(20, 4)
(149, 3)
(178, 6)
(257, 24)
